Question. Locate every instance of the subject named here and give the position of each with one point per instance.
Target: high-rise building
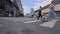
(32, 12)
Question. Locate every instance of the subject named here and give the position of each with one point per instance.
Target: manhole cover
(27, 31)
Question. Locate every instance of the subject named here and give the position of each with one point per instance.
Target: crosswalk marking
(32, 21)
(50, 24)
(18, 19)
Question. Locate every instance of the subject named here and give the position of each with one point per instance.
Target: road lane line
(12, 19)
(32, 21)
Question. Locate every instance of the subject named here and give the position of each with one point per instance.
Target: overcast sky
(28, 4)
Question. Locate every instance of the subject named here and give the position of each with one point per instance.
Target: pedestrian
(32, 14)
(52, 13)
(9, 15)
(39, 13)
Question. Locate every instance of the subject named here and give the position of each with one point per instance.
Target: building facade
(7, 7)
(19, 4)
(32, 12)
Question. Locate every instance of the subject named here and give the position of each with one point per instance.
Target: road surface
(24, 25)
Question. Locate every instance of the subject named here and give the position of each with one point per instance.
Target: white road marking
(32, 21)
(17, 19)
(50, 24)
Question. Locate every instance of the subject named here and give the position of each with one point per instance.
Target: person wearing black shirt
(39, 13)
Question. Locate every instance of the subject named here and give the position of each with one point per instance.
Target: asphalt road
(19, 26)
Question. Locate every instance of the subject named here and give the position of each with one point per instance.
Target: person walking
(52, 13)
(39, 13)
(32, 14)
(9, 14)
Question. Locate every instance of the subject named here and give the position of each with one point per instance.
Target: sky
(28, 4)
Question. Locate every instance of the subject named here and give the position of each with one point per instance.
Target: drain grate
(27, 31)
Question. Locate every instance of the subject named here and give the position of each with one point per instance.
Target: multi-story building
(32, 11)
(9, 7)
(19, 4)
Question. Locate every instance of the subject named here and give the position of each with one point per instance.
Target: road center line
(32, 21)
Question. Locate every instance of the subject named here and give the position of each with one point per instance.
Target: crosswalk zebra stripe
(32, 21)
(50, 24)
